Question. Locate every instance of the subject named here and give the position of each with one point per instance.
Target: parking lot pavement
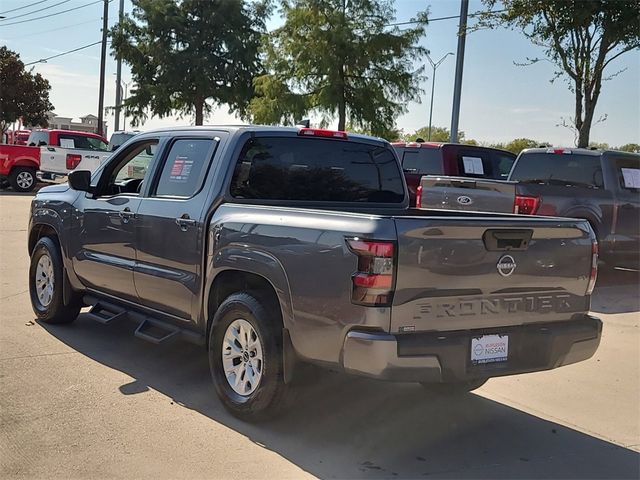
(89, 401)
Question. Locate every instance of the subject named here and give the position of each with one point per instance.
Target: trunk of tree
(199, 108)
(590, 100)
(342, 102)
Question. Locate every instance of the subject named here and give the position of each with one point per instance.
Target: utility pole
(433, 86)
(457, 89)
(103, 60)
(116, 126)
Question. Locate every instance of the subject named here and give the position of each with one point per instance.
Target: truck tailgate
(458, 193)
(459, 273)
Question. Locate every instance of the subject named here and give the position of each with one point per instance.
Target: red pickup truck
(53, 152)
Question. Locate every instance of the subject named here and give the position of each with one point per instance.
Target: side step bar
(106, 314)
(150, 329)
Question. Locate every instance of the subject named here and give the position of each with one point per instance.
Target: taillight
(419, 196)
(526, 205)
(319, 132)
(373, 282)
(594, 268)
(73, 160)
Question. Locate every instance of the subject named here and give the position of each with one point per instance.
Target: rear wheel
(23, 179)
(455, 388)
(46, 275)
(245, 358)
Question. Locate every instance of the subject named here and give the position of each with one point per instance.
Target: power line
(37, 11)
(23, 7)
(450, 17)
(52, 14)
(42, 60)
(53, 30)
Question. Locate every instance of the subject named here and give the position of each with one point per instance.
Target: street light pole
(103, 61)
(457, 89)
(119, 76)
(433, 85)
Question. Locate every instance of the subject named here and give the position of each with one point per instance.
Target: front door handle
(184, 222)
(126, 215)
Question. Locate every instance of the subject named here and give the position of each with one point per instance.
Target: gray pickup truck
(603, 187)
(274, 246)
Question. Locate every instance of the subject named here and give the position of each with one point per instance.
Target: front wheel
(46, 275)
(455, 388)
(23, 179)
(245, 358)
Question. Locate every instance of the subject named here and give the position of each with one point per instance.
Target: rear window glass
(290, 168)
(474, 163)
(38, 138)
(628, 172)
(503, 164)
(559, 169)
(425, 161)
(68, 140)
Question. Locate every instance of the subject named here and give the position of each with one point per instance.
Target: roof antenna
(304, 123)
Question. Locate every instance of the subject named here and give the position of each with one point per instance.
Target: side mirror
(80, 180)
(114, 147)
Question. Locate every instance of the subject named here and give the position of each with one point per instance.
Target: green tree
(629, 147)
(338, 58)
(23, 94)
(581, 37)
(519, 144)
(438, 134)
(188, 56)
(599, 145)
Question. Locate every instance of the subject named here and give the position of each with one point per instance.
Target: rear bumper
(445, 356)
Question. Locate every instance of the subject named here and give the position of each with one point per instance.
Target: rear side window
(424, 161)
(185, 168)
(291, 168)
(67, 140)
(559, 169)
(474, 163)
(628, 172)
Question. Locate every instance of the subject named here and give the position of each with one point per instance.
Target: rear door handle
(184, 222)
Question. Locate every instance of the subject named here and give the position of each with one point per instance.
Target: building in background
(88, 123)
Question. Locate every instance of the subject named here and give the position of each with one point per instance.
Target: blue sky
(500, 101)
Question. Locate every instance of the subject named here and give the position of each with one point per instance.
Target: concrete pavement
(89, 401)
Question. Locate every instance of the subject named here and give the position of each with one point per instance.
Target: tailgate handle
(463, 183)
(500, 240)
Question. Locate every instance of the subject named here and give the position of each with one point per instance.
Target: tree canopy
(581, 37)
(189, 56)
(339, 58)
(23, 94)
(438, 134)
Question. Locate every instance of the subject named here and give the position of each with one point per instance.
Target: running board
(156, 332)
(105, 315)
(150, 327)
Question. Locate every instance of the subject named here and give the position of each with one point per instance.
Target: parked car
(18, 137)
(602, 187)
(119, 137)
(435, 158)
(62, 151)
(18, 167)
(272, 246)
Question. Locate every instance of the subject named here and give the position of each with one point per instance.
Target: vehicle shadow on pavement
(348, 427)
(617, 291)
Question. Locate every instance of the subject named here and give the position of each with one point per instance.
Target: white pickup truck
(61, 151)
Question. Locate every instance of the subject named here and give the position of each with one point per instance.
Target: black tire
(23, 179)
(455, 388)
(53, 311)
(268, 398)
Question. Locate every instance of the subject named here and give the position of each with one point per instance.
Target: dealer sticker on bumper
(489, 349)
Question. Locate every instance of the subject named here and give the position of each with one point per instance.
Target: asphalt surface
(89, 401)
